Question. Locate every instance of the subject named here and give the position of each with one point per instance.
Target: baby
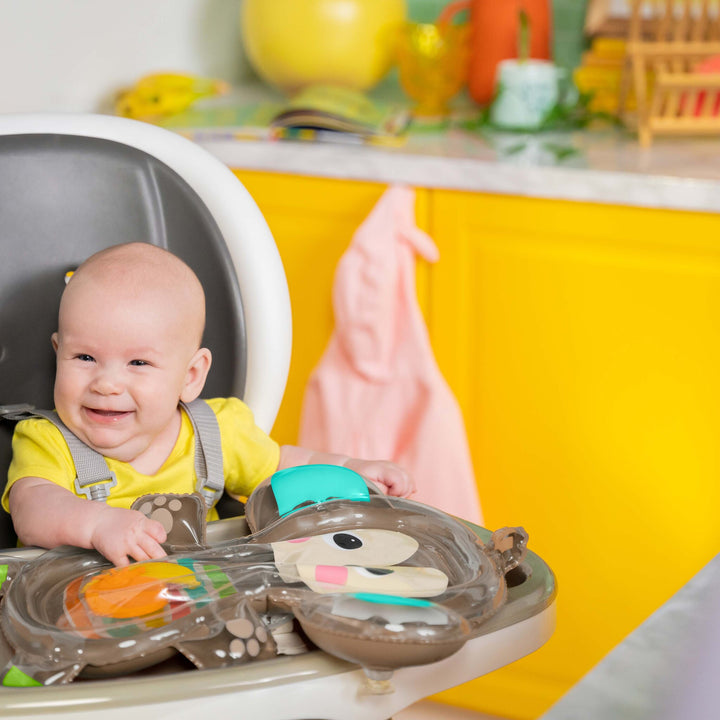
(128, 350)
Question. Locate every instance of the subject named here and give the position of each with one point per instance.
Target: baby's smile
(105, 415)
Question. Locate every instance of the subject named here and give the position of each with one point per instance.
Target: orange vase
(495, 28)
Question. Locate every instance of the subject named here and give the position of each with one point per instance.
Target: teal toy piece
(391, 600)
(299, 487)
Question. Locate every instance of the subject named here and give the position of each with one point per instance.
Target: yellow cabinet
(581, 341)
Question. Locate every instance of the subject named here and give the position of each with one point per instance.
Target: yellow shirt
(249, 456)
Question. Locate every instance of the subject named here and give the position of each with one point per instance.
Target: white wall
(74, 55)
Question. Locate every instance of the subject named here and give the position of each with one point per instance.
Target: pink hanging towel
(377, 392)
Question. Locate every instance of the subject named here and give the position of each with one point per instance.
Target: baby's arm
(391, 478)
(47, 515)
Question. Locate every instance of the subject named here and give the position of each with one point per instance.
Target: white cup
(525, 93)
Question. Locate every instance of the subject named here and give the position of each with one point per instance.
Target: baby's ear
(196, 375)
(54, 341)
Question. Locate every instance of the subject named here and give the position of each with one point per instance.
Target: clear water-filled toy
(378, 581)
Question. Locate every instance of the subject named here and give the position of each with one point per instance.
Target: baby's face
(121, 370)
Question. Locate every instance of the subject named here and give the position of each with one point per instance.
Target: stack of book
(317, 113)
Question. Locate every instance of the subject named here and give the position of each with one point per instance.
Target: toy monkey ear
(196, 375)
(511, 544)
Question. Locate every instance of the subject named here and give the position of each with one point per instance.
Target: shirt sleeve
(249, 454)
(39, 450)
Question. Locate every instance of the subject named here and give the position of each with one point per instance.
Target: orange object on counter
(495, 29)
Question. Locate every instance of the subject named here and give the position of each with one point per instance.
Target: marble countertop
(604, 166)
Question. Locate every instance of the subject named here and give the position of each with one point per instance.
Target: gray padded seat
(64, 197)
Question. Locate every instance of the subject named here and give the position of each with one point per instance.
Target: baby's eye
(138, 363)
(85, 357)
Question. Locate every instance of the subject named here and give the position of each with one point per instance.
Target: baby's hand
(120, 534)
(391, 478)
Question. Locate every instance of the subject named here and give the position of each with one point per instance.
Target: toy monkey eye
(344, 541)
(373, 572)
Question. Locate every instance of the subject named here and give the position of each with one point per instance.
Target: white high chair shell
(255, 258)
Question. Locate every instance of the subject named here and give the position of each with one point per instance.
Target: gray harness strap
(94, 478)
(208, 451)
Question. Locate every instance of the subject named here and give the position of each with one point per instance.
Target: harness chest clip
(97, 489)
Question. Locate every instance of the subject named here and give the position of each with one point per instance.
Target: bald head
(128, 351)
(140, 275)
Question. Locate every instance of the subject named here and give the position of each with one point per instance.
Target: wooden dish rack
(671, 39)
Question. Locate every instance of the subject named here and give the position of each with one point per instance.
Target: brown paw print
(182, 517)
(249, 640)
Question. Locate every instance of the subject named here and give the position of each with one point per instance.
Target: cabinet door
(582, 342)
(313, 221)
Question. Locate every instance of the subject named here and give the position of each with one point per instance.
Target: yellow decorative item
(433, 64)
(161, 94)
(601, 74)
(295, 43)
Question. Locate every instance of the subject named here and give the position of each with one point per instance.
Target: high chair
(73, 184)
